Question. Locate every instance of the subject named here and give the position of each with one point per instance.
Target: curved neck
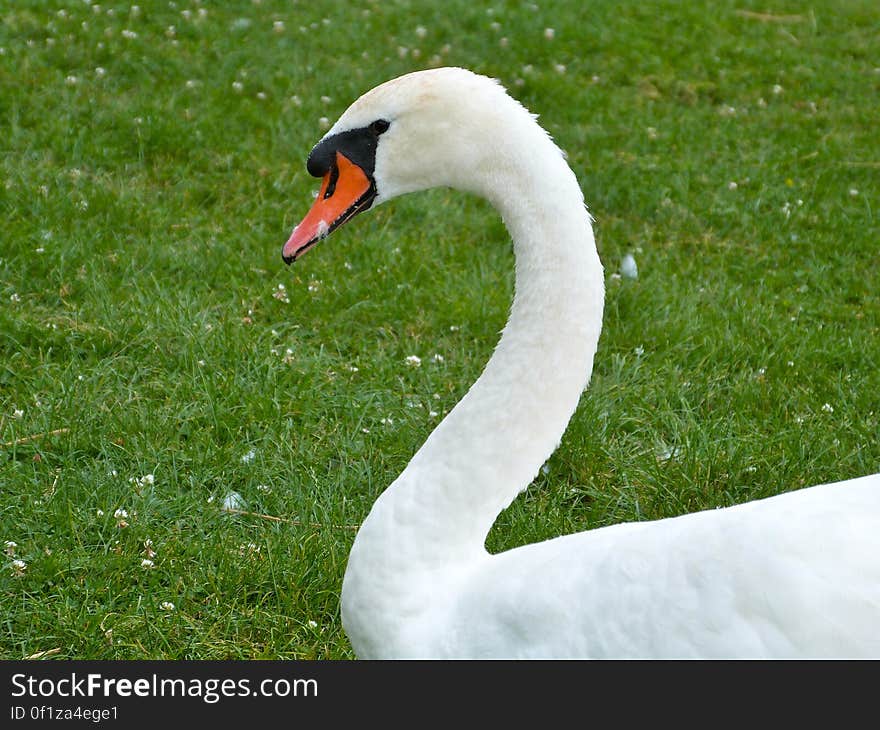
(493, 443)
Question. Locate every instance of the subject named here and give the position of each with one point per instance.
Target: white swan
(796, 575)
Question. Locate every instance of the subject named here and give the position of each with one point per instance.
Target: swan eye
(379, 126)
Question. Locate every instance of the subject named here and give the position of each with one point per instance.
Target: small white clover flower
(148, 480)
(324, 123)
(166, 606)
(421, 31)
(18, 568)
(278, 26)
(249, 456)
(313, 624)
(146, 563)
(129, 34)
(17, 413)
(549, 34)
(100, 71)
(828, 408)
(853, 192)
(9, 547)
(732, 185)
(237, 87)
(438, 357)
(71, 80)
(777, 89)
(414, 361)
(248, 548)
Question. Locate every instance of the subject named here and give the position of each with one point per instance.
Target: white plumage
(796, 575)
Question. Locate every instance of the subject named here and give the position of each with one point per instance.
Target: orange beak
(346, 190)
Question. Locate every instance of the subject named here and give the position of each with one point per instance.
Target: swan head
(444, 127)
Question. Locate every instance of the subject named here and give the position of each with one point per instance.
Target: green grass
(142, 212)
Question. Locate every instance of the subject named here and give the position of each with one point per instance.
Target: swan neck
(493, 443)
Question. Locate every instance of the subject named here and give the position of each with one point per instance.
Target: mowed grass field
(158, 361)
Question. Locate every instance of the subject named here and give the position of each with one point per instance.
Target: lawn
(159, 362)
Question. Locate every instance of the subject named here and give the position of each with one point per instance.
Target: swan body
(795, 575)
